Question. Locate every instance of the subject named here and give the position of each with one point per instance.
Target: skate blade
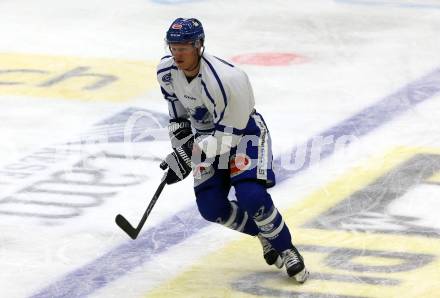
(302, 276)
(279, 263)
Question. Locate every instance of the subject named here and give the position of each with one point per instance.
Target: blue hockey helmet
(185, 30)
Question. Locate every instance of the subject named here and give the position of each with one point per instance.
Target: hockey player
(214, 123)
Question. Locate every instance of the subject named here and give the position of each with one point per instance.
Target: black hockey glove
(179, 161)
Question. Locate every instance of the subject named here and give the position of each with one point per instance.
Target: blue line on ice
(124, 258)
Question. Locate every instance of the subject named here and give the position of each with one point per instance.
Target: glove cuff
(178, 124)
(180, 132)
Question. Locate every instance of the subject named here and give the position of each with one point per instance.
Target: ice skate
(295, 265)
(270, 254)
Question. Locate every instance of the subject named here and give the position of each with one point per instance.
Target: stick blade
(126, 226)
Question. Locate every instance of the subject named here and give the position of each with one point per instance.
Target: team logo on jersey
(239, 163)
(166, 78)
(200, 114)
(177, 26)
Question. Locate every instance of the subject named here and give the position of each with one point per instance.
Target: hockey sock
(273, 228)
(239, 220)
(257, 201)
(214, 206)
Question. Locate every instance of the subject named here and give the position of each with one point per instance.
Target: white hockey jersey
(218, 102)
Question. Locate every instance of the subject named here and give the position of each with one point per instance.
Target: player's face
(185, 55)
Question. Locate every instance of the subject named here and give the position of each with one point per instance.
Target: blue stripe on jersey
(169, 97)
(166, 69)
(235, 131)
(164, 57)
(225, 62)
(221, 88)
(210, 97)
(174, 110)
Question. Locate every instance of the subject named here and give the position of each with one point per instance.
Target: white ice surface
(357, 55)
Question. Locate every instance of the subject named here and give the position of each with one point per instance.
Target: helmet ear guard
(198, 43)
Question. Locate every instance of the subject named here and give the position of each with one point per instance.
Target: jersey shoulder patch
(164, 68)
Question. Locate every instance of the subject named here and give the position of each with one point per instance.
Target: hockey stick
(123, 223)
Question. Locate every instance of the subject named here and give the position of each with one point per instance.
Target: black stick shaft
(122, 222)
(152, 203)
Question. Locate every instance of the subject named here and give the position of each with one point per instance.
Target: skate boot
(270, 254)
(295, 265)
